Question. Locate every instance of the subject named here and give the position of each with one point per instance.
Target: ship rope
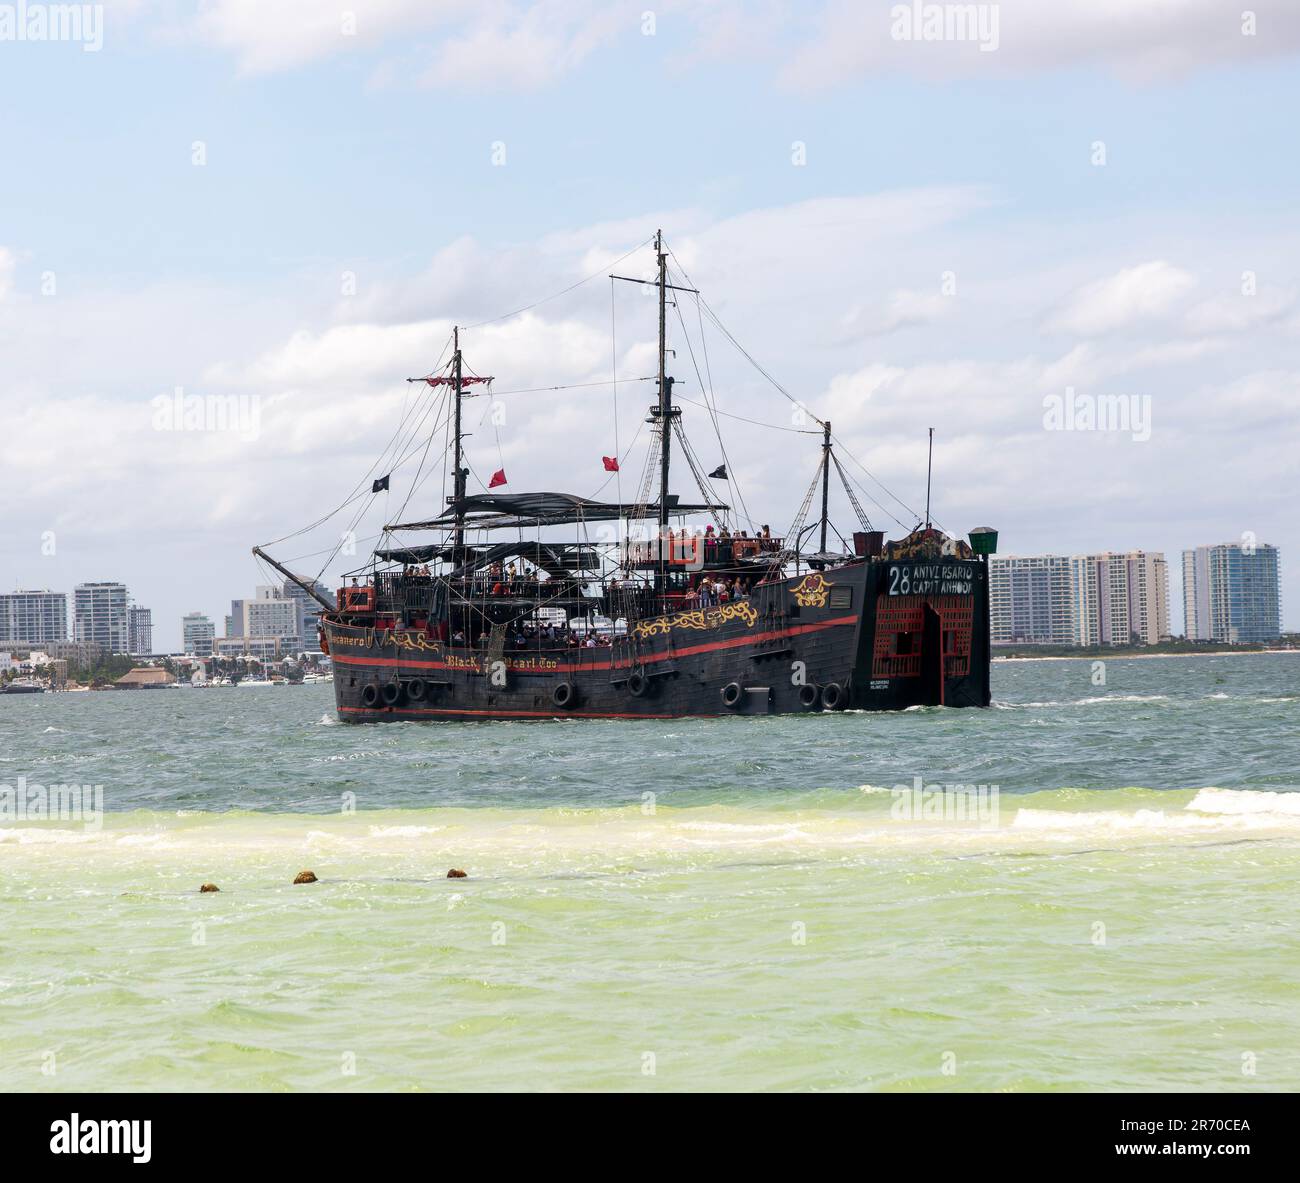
(613, 357)
(707, 390)
(876, 502)
(853, 500)
(562, 291)
(647, 477)
(422, 417)
(716, 512)
(726, 333)
(622, 459)
(791, 548)
(360, 490)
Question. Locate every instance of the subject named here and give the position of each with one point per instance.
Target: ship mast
(929, 468)
(458, 481)
(826, 479)
(663, 411)
(665, 384)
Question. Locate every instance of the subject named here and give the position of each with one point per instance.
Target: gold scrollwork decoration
(812, 591)
(698, 618)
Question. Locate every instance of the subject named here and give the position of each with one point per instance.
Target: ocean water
(728, 904)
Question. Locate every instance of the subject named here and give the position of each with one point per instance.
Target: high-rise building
(1231, 593)
(197, 634)
(1103, 599)
(1120, 599)
(35, 617)
(1031, 600)
(139, 630)
(268, 614)
(235, 621)
(308, 609)
(99, 615)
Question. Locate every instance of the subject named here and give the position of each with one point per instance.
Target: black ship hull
(873, 634)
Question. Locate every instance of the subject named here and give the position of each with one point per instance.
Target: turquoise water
(763, 920)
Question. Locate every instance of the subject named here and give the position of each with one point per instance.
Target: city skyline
(1044, 589)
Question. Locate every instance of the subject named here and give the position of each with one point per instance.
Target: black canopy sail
(498, 511)
(553, 558)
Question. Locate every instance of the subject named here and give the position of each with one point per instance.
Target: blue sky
(373, 154)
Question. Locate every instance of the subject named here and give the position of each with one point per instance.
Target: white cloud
(7, 265)
(1235, 314)
(289, 33)
(1140, 41)
(902, 309)
(461, 43)
(525, 47)
(1124, 300)
(523, 44)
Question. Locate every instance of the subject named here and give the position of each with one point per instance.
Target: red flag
(498, 478)
(611, 463)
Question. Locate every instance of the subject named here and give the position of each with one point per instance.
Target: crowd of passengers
(506, 579)
(546, 636)
(704, 591)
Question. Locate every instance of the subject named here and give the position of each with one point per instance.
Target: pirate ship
(550, 605)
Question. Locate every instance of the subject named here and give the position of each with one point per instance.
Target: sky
(1061, 234)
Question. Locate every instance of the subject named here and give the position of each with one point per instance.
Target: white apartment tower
(34, 617)
(197, 634)
(1031, 601)
(1231, 593)
(99, 615)
(1121, 599)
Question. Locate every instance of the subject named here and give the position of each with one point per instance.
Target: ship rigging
(500, 616)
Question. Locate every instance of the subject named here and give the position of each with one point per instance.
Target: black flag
(381, 483)
(719, 473)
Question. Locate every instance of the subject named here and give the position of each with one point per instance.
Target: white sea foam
(552, 840)
(404, 831)
(1240, 802)
(38, 835)
(1079, 702)
(317, 836)
(1210, 809)
(1065, 821)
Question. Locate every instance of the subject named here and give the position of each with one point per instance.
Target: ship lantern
(984, 540)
